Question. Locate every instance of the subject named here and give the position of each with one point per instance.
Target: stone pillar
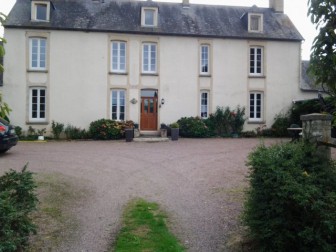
(316, 128)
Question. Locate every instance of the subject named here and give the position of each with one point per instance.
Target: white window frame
(204, 59)
(38, 54)
(144, 12)
(206, 106)
(152, 69)
(38, 118)
(254, 108)
(118, 57)
(34, 5)
(119, 104)
(260, 19)
(253, 61)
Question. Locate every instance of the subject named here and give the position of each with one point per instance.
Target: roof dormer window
(255, 22)
(40, 11)
(149, 17)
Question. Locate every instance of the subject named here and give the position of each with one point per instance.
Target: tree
(323, 55)
(4, 109)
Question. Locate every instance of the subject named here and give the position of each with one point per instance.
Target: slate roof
(307, 81)
(124, 16)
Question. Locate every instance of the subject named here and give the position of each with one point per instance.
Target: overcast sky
(295, 9)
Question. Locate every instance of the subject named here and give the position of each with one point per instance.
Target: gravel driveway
(198, 182)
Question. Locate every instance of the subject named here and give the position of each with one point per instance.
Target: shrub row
(291, 201)
(17, 201)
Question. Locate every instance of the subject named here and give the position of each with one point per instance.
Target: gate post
(316, 128)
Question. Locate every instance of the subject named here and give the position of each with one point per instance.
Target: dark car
(8, 138)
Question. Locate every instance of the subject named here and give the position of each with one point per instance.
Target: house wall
(79, 82)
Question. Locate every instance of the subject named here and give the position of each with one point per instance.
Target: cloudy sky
(295, 9)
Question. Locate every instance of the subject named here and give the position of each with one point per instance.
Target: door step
(151, 139)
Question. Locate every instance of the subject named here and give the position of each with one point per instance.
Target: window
(205, 59)
(118, 55)
(256, 106)
(204, 104)
(37, 104)
(255, 23)
(149, 17)
(40, 11)
(149, 58)
(37, 47)
(118, 101)
(256, 60)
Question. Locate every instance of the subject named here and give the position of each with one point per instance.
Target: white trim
(38, 53)
(119, 69)
(255, 61)
(207, 59)
(207, 105)
(144, 11)
(148, 56)
(119, 105)
(34, 5)
(255, 106)
(38, 110)
(260, 19)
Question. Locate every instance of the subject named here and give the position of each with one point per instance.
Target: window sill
(149, 74)
(36, 71)
(37, 123)
(256, 122)
(40, 21)
(118, 73)
(205, 75)
(257, 76)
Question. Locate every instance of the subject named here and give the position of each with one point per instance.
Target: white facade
(77, 76)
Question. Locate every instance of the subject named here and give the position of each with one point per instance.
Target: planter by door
(175, 134)
(163, 132)
(129, 134)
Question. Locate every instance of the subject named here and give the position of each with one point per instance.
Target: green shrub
(17, 201)
(237, 119)
(72, 132)
(106, 129)
(57, 129)
(291, 202)
(18, 131)
(280, 125)
(192, 127)
(220, 121)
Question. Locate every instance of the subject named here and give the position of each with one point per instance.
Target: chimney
(185, 3)
(277, 5)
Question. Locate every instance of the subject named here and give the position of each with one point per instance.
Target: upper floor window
(118, 100)
(256, 60)
(149, 58)
(256, 106)
(37, 48)
(37, 104)
(118, 56)
(149, 17)
(40, 11)
(204, 104)
(255, 22)
(205, 54)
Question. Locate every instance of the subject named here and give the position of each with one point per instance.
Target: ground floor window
(256, 106)
(118, 108)
(37, 104)
(204, 104)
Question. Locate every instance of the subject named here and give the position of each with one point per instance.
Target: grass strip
(145, 230)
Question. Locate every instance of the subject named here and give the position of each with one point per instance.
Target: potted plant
(175, 130)
(40, 134)
(163, 130)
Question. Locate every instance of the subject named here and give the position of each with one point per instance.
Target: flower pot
(129, 134)
(175, 134)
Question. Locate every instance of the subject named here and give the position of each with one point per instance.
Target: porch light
(134, 101)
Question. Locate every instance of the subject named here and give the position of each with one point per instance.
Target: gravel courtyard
(198, 182)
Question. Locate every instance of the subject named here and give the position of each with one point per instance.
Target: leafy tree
(4, 109)
(323, 56)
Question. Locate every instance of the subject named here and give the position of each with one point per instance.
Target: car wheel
(4, 150)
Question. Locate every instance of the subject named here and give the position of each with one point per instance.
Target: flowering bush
(106, 129)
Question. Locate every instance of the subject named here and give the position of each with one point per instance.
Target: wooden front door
(148, 113)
